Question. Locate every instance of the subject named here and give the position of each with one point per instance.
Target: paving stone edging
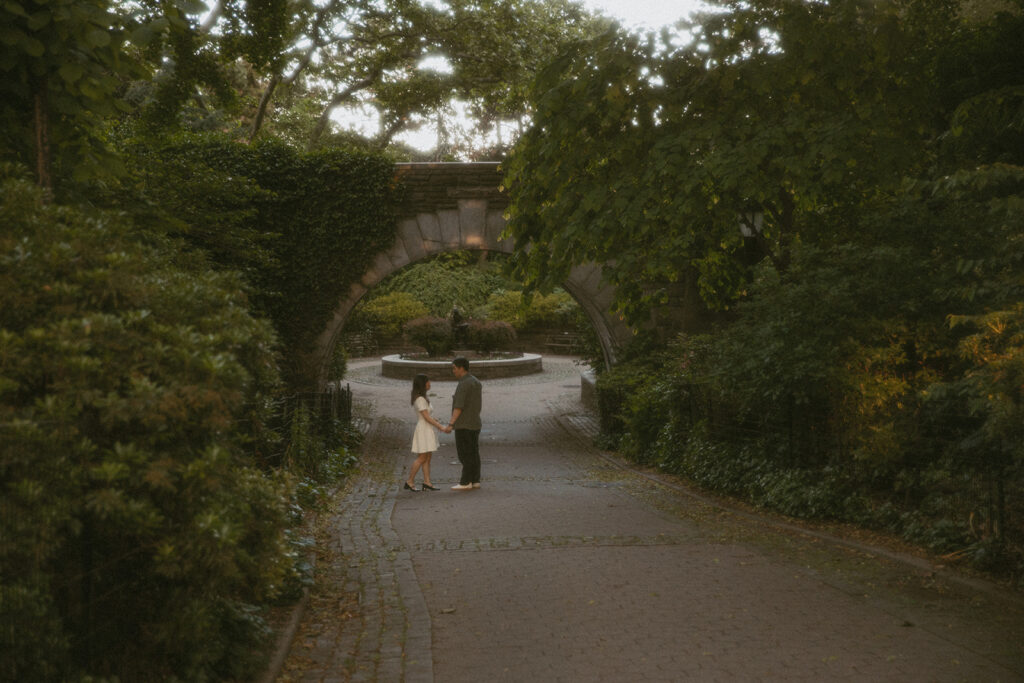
(393, 618)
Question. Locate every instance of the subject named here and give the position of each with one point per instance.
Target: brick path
(565, 566)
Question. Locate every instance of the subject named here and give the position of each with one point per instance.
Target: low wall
(588, 390)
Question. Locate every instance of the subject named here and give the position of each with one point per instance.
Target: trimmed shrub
(386, 315)
(433, 334)
(541, 311)
(486, 336)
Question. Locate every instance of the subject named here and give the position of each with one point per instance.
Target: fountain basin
(396, 367)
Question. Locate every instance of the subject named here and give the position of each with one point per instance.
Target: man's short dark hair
(461, 362)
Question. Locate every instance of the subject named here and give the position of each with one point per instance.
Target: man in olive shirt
(466, 423)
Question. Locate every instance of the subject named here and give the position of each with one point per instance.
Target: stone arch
(456, 207)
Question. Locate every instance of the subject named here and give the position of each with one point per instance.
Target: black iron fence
(936, 485)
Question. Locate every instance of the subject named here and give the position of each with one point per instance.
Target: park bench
(564, 342)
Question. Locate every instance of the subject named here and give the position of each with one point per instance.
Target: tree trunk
(321, 126)
(42, 136)
(261, 110)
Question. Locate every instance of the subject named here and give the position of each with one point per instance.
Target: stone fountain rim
(395, 366)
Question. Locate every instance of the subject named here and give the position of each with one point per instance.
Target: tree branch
(261, 110)
(337, 100)
(212, 18)
(42, 126)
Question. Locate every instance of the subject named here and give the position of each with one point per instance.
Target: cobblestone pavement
(566, 566)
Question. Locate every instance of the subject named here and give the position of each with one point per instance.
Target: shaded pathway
(565, 566)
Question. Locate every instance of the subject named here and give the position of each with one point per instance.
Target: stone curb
(283, 643)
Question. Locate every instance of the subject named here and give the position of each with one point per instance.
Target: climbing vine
(302, 226)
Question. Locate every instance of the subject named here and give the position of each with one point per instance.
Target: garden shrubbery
(140, 534)
(433, 334)
(457, 279)
(477, 290)
(827, 398)
(556, 310)
(387, 314)
(486, 336)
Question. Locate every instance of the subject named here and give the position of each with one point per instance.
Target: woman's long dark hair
(419, 387)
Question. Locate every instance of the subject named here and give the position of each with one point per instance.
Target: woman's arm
(429, 418)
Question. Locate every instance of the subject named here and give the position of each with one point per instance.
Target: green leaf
(71, 72)
(98, 38)
(33, 47)
(38, 20)
(11, 36)
(193, 7)
(15, 8)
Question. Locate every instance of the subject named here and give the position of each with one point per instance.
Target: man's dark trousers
(467, 445)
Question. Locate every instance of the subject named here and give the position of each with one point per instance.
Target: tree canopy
(76, 69)
(775, 118)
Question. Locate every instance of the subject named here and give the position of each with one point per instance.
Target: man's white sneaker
(475, 485)
(462, 487)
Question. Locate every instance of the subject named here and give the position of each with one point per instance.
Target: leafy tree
(662, 160)
(835, 386)
(62, 64)
(200, 47)
(66, 65)
(362, 53)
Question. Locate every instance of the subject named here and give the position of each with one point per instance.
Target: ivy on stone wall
(302, 226)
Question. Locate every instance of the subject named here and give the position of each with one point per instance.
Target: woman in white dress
(424, 439)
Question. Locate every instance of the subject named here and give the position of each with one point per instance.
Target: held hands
(447, 429)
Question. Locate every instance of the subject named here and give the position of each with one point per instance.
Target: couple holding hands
(465, 421)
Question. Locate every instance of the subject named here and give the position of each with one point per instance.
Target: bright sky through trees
(645, 14)
(639, 15)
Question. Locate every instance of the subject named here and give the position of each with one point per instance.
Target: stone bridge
(453, 207)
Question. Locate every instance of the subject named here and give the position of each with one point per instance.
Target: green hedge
(557, 310)
(486, 336)
(137, 534)
(385, 315)
(433, 334)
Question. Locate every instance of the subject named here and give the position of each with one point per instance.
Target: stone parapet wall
(452, 207)
(430, 187)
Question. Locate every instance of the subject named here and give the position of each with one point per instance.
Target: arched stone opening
(459, 207)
